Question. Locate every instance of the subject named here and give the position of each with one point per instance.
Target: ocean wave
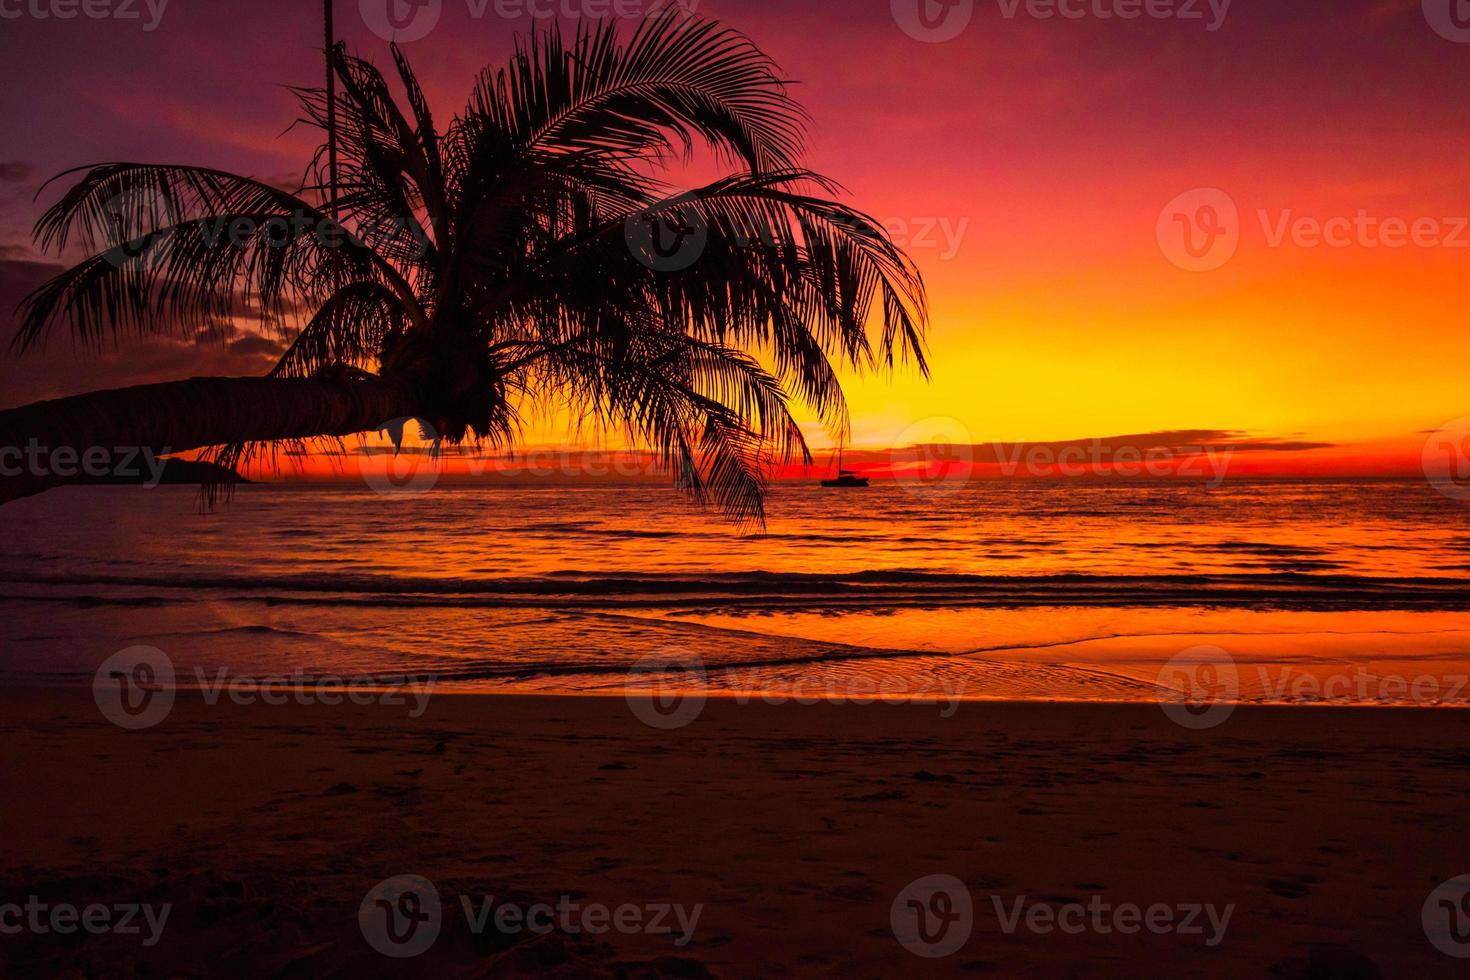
(1279, 589)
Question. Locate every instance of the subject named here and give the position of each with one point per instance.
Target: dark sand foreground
(794, 827)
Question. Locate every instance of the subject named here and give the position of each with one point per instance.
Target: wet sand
(793, 828)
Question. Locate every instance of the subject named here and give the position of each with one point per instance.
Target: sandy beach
(783, 834)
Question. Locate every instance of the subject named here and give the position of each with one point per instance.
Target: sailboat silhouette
(846, 479)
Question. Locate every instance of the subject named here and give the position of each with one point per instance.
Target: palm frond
(176, 248)
(349, 330)
(500, 261)
(711, 415)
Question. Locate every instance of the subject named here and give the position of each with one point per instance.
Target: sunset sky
(1025, 164)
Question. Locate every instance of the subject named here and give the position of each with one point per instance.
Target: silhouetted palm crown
(513, 258)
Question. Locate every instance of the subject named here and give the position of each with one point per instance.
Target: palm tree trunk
(42, 445)
(331, 111)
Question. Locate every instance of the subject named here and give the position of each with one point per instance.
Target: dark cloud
(289, 183)
(60, 368)
(1173, 442)
(18, 276)
(13, 171)
(1196, 440)
(254, 345)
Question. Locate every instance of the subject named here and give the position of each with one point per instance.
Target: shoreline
(255, 690)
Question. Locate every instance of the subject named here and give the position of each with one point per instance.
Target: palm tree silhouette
(533, 252)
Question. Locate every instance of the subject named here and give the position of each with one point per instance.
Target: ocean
(1320, 592)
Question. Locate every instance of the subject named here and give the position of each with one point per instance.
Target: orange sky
(1026, 164)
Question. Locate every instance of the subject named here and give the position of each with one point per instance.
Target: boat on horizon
(846, 479)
